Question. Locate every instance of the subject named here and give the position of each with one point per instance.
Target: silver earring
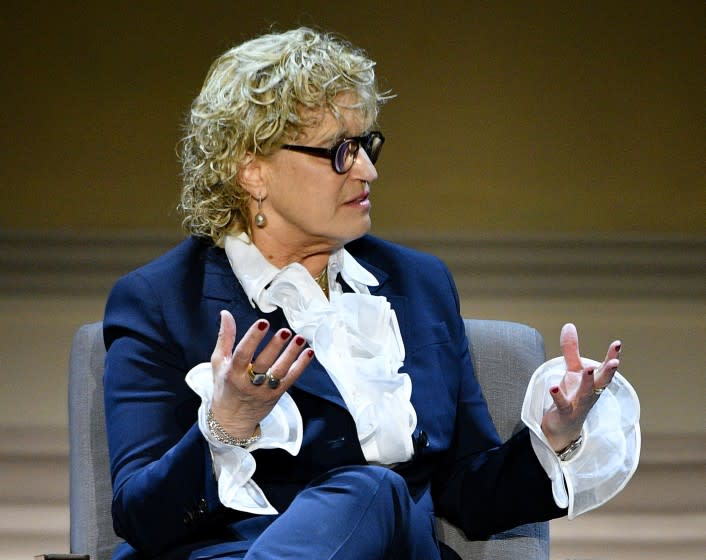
(260, 218)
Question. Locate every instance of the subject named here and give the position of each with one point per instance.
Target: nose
(363, 169)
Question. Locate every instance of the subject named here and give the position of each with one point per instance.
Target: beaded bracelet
(219, 432)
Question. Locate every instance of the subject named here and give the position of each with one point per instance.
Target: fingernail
(262, 325)
(309, 353)
(284, 335)
(554, 390)
(618, 347)
(299, 340)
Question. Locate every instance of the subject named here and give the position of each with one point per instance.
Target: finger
(243, 353)
(283, 364)
(587, 383)
(613, 350)
(560, 400)
(605, 374)
(569, 342)
(270, 352)
(226, 338)
(297, 368)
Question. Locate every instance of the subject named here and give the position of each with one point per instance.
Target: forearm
(496, 490)
(166, 501)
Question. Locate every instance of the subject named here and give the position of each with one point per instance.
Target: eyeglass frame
(364, 141)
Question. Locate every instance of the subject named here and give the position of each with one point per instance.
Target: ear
(251, 176)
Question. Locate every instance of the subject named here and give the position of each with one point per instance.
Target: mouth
(362, 200)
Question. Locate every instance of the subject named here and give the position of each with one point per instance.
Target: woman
(338, 412)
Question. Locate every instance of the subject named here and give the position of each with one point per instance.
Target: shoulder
(388, 256)
(406, 271)
(187, 255)
(180, 269)
(146, 299)
(177, 266)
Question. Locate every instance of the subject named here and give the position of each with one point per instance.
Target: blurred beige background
(551, 152)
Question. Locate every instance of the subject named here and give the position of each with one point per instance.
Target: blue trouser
(349, 513)
(352, 513)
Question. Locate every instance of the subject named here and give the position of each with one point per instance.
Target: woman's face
(309, 207)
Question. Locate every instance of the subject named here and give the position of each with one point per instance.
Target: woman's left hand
(578, 391)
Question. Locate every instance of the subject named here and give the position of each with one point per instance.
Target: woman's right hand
(239, 405)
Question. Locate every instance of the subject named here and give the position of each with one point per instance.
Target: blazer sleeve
(485, 486)
(163, 482)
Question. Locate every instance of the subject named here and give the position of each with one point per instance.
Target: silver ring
(272, 381)
(599, 390)
(255, 377)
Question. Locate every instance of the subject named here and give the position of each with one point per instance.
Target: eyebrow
(332, 140)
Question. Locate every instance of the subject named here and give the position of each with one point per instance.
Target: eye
(345, 155)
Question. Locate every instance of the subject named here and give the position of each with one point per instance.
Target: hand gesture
(578, 391)
(247, 387)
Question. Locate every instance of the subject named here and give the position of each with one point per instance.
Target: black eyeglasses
(343, 154)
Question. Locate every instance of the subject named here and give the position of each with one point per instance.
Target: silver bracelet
(219, 432)
(570, 450)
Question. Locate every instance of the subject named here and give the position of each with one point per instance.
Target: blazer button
(421, 441)
(202, 507)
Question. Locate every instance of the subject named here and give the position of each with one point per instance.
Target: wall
(510, 116)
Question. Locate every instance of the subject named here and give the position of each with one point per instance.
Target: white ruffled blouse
(368, 341)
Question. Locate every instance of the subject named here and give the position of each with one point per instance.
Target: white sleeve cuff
(610, 450)
(234, 466)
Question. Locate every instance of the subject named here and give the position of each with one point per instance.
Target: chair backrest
(90, 492)
(504, 355)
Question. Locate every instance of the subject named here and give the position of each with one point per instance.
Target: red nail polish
(299, 340)
(262, 325)
(618, 347)
(554, 390)
(590, 371)
(284, 335)
(309, 352)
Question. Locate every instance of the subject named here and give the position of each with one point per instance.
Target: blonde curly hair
(251, 103)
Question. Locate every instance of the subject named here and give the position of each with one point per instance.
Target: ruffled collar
(355, 336)
(255, 273)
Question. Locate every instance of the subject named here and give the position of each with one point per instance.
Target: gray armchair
(504, 355)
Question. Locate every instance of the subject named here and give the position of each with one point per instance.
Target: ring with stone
(255, 377)
(272, 381)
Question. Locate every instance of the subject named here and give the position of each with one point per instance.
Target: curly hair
(251, 103)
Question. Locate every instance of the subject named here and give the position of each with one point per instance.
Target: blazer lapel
(221, 290)
(398, 302)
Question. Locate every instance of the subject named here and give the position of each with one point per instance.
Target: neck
(314, 257)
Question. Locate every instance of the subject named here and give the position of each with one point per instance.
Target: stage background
(551, 152)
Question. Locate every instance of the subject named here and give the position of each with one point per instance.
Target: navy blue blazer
(163, 319)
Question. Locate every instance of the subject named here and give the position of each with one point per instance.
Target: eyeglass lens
(348, 151)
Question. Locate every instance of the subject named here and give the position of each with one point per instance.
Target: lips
(360, 199)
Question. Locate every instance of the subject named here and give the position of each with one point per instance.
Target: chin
(364, 228)
(356, 232)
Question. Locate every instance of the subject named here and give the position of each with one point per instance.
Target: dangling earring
(260, 218)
